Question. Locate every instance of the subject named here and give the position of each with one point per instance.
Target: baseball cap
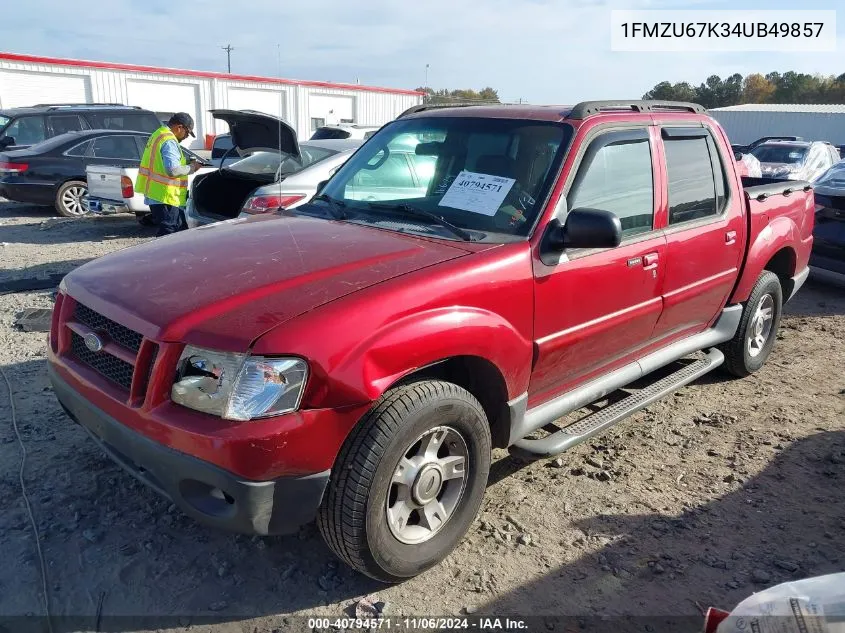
(183, 118)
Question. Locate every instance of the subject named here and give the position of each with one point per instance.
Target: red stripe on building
(34, 59)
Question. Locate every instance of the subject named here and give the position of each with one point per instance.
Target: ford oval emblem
(93, 342)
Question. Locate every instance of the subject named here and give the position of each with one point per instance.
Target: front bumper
(205, 492)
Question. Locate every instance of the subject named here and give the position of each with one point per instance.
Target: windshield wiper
(335, 206)
(408, 209)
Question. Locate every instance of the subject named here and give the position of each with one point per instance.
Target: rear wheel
(408, 482)
(71, 199)
(757, 332)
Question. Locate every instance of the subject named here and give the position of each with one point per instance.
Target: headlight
(238, 386)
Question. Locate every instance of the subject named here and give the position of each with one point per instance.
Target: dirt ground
(724, 489)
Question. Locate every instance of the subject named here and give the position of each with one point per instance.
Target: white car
(795, 160)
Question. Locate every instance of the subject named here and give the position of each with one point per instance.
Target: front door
(595, 309)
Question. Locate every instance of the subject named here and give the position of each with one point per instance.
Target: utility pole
(426, 83)
(228, 48)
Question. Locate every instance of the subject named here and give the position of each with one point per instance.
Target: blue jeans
(167, 217)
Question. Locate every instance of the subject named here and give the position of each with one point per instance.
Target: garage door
(331, 109)
(27, 88)
(266, 101)
(166, 98)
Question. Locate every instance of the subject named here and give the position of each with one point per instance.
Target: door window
(115, 147)
(616, 175)
(65, 123)
(27, 130)
(694, 190)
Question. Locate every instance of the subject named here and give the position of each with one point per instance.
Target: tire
(144, 219)
(354, 518)
(70, 199)
(754, 339)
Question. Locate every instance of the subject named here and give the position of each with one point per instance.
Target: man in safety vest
(163, 174)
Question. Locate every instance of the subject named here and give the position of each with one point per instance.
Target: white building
(748, 122)
(27, 80)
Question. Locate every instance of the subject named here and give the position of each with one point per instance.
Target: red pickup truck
(468, 277)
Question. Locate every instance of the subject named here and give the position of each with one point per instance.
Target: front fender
(408, 344)
(781, 233)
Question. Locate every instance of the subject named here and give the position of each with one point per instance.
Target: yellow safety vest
(153, 179)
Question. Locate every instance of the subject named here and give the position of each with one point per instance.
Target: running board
(600, 421)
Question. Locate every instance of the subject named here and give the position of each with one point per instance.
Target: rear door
(596, 308)
(705, 230)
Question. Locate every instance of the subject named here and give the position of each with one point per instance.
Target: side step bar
(602, 420)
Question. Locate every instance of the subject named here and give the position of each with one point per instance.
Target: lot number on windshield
(477, 193)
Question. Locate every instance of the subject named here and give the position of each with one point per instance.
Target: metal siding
(745, 126)
(21, 88)
(111, 86)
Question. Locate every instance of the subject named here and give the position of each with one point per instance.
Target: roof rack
(438, 106)
(55, 106)
(591, 108)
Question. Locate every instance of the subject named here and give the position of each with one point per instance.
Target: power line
(228, 48)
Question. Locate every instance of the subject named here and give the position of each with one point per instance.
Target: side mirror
(585, 228)
(7, 141)
(320, 185)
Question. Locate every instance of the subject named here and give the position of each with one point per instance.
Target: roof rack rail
(437, 106)
(83, 105)
(590, 108)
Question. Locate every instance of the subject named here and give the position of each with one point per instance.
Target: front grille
(120, 334)
(111, 367)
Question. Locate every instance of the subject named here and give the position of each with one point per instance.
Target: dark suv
(22, 127)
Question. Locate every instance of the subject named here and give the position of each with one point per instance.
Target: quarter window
(616, 175)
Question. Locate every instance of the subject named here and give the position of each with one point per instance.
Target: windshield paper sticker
(477, 193)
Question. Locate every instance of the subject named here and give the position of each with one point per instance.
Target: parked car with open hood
(273, 170)
(795, 160)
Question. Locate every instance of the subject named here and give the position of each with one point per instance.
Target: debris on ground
(34, 320)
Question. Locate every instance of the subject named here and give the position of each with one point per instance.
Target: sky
(539, 51)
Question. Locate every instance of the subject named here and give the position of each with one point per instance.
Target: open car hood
(255, 131)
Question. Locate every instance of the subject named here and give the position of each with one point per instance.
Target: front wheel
(71, 199)
(408, 482)
(755, 337)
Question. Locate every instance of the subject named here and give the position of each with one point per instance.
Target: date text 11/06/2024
(481, 623)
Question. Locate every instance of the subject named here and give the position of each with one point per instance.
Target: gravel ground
(724, 489)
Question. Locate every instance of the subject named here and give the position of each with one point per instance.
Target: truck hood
(258, 132)
(225, 284)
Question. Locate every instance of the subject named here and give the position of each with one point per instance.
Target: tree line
(452, 96)
(789, 87)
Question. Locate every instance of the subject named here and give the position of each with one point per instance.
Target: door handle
(730, 238)
(650, 261)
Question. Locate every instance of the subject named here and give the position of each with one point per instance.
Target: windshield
(268, 163)
(481, 175)
(780, 154)
(3, 120)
